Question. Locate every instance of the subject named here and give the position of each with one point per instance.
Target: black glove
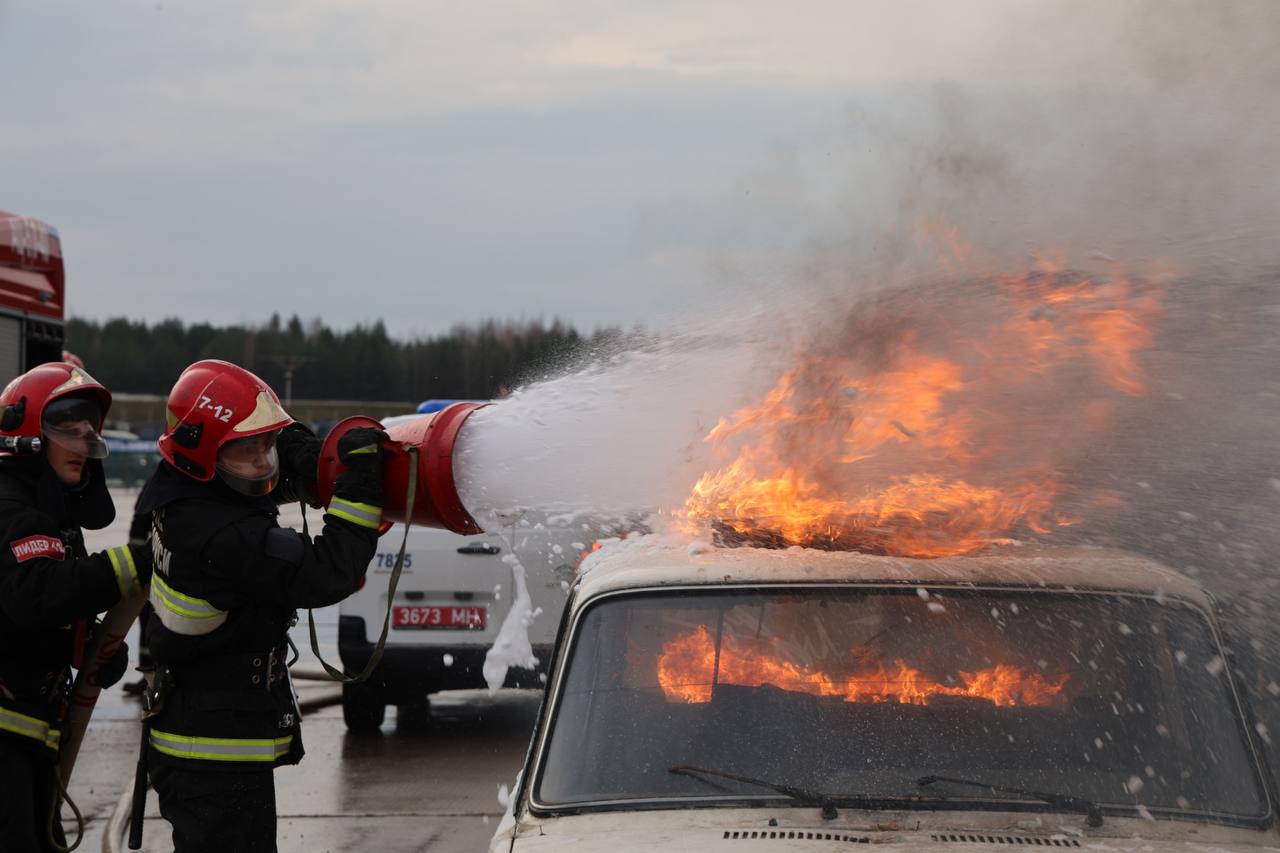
(142, 561)
(299, 459)
(140, 527)
(113, 670)
(299, 453)
(360, 451)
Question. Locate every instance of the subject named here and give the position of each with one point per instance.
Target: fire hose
(107, 639)
(339, 674)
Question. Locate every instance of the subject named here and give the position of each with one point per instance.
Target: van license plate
(466, 618)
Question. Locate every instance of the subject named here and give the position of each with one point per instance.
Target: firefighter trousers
(218, 811)
(28, 785)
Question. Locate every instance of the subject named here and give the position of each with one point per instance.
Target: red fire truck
(32, 287)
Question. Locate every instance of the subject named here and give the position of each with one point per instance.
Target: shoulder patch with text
(37, 546)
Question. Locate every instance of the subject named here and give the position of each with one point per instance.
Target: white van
(454, 593)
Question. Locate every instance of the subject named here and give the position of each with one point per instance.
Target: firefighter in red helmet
(51, 487)
(227, 582)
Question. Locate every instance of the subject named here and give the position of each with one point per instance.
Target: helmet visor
(73, 423)
(250, 465)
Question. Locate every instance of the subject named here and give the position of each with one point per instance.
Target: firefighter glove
(299, 452)
(113, 670)
(361, 452)
(360, 448)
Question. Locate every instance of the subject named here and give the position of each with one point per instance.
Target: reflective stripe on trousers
(126, 570)
(32, 727)
(221, 748)
(365, 515)
(183, 614)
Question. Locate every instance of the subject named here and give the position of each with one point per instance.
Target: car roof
(650, 561)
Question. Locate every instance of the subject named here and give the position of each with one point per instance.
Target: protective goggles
(250, 465)
(73, 423)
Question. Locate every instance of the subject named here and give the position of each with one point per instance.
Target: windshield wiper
(1091, 810)
(802, 795)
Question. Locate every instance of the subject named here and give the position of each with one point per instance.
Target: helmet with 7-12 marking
(222, 419)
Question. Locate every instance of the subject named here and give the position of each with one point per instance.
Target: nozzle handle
(21, 445)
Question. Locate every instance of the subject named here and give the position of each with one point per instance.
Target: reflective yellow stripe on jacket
(32, 727)
(183, 614)
(126, 570)
(221, 748)
(365, 515)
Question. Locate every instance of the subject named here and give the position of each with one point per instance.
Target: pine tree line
(474, 361)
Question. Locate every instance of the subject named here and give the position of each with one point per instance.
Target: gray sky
(430, 163)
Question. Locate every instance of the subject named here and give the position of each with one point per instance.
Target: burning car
(743, 698)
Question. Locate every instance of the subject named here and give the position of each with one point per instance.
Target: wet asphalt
(428, 780)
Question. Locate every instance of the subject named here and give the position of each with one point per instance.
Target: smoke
(1146, 132)
(1141, 135)
(1097, 134)
(1162, 151)
(1102, 135)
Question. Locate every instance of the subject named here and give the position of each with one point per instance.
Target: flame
(595, 546)
(908, 436)
(688, 667)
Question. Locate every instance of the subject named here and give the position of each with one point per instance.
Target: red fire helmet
(212, 404)
(61, 392)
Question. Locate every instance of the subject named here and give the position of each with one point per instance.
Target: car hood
(801, 829)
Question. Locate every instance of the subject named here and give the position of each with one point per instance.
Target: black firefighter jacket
(48, 586)
(226, 583)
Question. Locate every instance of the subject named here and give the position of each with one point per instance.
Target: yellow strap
(125, 568)
(221, 748)
(183, 614)
(32, 727)
(365, 515)
(195, 608)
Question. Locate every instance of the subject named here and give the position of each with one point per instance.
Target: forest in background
(475, 361)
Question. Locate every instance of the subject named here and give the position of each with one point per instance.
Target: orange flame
(687, 670)
(595, 546)
(908, 437)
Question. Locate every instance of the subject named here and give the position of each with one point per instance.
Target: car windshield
(860, 692)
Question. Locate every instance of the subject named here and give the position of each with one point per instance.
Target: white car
(744, 699)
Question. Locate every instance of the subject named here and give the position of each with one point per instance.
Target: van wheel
(363, 707)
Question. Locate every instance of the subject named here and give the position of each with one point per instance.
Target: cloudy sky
(429, 163)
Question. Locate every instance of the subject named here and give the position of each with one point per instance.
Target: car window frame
(575, 614)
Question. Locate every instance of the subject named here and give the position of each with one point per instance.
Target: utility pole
(289, 363)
